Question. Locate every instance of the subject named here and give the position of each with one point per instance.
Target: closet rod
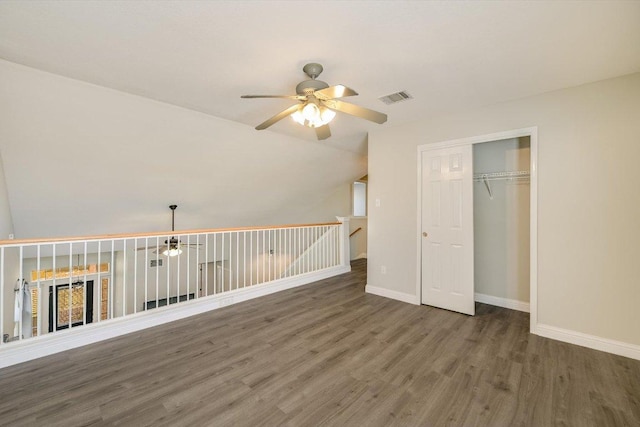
(491, 176)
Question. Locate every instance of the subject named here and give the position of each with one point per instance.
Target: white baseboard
(45, 345)
(387, 293)
(360, 256)
(590, 341)
(503, 302)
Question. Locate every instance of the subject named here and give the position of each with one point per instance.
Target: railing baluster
(279, 257)
(70, 289)
(178, 271)
(189, 263)
(112, 272)
(216, 285)
(84, 289)
(316, 264)
(124, 277)
(157, 270)
(264, 260)
(39, 291)
(146, 273)
(290, 255)
(99, 282)
(251, 258)
(237, 259)
(268, 253)
(300, 260)
(223, 256)
(168, 259)
(198, 268)
(135, 275)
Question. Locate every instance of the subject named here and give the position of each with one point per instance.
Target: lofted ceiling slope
(204, 55)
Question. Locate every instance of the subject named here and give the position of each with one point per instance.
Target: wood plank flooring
(327, 354)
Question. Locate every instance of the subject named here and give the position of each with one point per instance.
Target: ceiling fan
(318, 103)
(173, 246)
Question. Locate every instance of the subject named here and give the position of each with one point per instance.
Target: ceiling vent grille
(396, 97)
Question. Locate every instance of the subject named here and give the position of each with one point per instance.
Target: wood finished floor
(327, 354)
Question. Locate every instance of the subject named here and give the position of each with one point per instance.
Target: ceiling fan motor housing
(307, 87)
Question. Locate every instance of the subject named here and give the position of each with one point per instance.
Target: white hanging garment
(22, 310)
(17, 313)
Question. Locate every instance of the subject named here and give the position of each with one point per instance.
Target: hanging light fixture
(172, 249)
(173, 244)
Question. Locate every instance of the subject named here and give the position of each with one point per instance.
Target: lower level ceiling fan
(173, 246)
(318, 103)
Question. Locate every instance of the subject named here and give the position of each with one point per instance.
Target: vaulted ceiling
(203, 55)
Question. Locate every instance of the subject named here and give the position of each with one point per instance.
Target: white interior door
(447, 228)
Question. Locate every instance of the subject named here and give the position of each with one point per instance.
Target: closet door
(447, 228)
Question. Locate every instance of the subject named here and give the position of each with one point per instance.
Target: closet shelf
(493, 176)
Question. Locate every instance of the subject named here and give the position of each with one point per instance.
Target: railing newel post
(345, 250)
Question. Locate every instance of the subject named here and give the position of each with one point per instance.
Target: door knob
(425, 234)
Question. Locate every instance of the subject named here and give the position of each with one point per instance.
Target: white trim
(511, 304)
(360, 256)
(36, 347)
(388, 293)
(509, 134)
(532, 133)
(590, 341)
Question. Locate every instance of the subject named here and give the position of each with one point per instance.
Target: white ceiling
(203, 55)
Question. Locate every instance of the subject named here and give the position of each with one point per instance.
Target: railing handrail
(51, 240)
(355, 231)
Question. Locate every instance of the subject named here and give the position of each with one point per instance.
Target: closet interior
(501, 199)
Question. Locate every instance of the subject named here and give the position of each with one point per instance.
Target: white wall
(6, 221)
(6, 228)
(358, 242)
(588, 201)
(501, 222)
(83, 159)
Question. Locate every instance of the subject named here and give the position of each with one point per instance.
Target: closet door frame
(532, 133)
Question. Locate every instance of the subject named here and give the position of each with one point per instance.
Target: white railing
(53, 285)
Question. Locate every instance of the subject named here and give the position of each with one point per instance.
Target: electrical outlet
(377, 203)
(383, 269)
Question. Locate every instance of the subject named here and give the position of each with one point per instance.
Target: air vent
(396, 97)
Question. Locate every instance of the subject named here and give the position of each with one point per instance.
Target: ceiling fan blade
(151, 247)
(158, 250)
(337, 91)
(354, 110)
(281, 115)
(323, 132)
(299, 97)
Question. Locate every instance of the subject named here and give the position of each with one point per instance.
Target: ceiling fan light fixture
(172, 252)
(311, 112)
(313, 116)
